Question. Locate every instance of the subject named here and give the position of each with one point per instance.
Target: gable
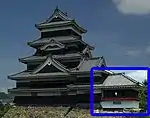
(58, 16)
(52, 45)
(50, 65)
(56, 19)
(49, 69)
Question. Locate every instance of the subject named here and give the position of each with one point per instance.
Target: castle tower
(59, 71)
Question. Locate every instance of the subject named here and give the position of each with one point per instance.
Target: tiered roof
(116, 80)
(60, 44)
(119, 80)
(83, 67)
(63, 19)
(42, 58)
(62, 39)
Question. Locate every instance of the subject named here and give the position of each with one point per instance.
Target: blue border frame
(117, 114)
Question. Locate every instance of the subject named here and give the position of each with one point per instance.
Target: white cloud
(133, 53)
(148, 49)
(138, 7)
(139, 75)
(138, 52)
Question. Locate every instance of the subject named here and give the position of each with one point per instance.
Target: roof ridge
(85, 49)
(9, 76)
(54, 23)
(25, 57)
(84, 42)
(75, 23)
(28, 43)
(80, 64)
(61, 11)
(98, 61)
(49, 38)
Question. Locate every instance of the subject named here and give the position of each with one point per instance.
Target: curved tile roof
(119, 79)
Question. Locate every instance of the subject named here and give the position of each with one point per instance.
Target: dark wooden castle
(59, 71)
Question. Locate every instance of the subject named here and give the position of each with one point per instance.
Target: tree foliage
(4, 109)
(143, 96)
(4, 95)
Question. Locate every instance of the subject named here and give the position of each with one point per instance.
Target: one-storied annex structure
(59, 71)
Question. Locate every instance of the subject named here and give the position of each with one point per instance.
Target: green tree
(145, 83)
(4, 109)
(143, 96)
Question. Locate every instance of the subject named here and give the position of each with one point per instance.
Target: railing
(119, 98)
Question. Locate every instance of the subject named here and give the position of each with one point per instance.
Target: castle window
(117, 102)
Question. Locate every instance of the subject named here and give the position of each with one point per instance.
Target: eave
(82, 86)
(37, 90)
(60, 24)
(101, 86)
(48, 91)
(43, 58)
(32, 59)
(29, 75)
(40, 42)
(119, 86)
(96, 73)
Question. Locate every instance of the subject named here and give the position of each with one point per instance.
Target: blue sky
(119, 29)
